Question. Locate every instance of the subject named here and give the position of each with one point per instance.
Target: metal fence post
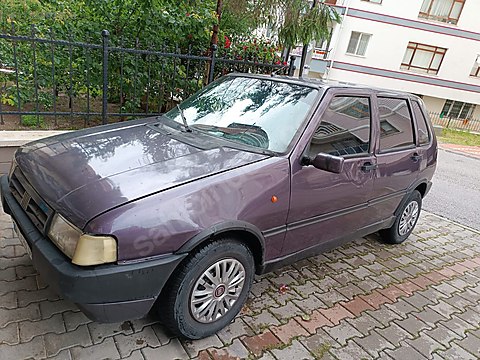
(291, 67)
(105, 35)
(211, 71)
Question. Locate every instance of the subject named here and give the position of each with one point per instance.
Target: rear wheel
(209, 290)
(405, 221)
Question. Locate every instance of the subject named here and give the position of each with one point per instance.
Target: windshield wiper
(185, 125)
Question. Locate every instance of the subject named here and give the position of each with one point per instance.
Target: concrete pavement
(364, 300)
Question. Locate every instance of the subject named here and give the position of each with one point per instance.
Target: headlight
(83, 249)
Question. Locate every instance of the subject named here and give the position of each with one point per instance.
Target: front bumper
(105, 293)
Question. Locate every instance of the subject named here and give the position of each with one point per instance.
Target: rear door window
(423, 133)
(396, 125)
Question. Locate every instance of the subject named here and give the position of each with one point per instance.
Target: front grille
(37, 210)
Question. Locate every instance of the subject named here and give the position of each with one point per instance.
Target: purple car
(177, 213)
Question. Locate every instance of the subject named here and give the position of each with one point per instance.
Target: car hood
(85, 173)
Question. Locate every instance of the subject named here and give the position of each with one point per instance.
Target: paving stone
(34, 349)
(327, 283)
(128, 343)
(294, 351)
(30, 329)
(8, 275)
(471, 315)
(172, 351)
(412, 325)
(261, 287)
(261, 321)
(236, 350)
(104, 350)
(28, 297)
(54, 343)
(261, 303)
(470, 344)
(405, 351)
(307, 289)
(351, 352)
(357, 306)
(49, 308)
(419, 301)
(455, 352)
(8, 301)
(101, 331)
(444, 309)
(310, 304)
(289, 331)
(30, 312)
(425, 345)
(402, 308)
(236, 329)
(374, 343)
(319, 343)
(345, 277)
(384, 315)
(350, 291)
(9, 334)
(364, 323)
(442, 335)
(393, 334)
(343, 332)
(258, 343)
(336, 313)
(331, 297)
(430, 317)
(21, 284)
(368, 285)
(286, 312)
(314, 321)
(459, 302)
(375, 299)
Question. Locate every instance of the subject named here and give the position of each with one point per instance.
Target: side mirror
(327, 162)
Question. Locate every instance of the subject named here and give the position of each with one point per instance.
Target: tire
(175, 306)
(405, 222)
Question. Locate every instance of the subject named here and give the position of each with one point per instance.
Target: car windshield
(258, 112)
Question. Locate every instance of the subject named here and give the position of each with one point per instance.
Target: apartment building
(427, 47)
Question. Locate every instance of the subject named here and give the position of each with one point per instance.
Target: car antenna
(187, 128)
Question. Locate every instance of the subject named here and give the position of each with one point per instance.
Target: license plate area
(22, 240)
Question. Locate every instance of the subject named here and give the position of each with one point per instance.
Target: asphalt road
(455, 193)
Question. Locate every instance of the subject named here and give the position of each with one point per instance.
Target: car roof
(323, 84)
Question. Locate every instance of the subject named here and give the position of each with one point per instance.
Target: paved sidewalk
(473, 151)
(361, 301)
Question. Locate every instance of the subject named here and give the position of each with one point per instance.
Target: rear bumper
(106, 293)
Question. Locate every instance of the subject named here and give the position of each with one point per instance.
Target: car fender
(224, 227)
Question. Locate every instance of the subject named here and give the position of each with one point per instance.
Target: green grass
(459, 137)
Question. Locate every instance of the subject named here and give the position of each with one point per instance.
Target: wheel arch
(243, 231)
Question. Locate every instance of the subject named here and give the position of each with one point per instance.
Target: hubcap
(409, 218)
(217, 290)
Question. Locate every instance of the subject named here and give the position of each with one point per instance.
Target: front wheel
(405, 221)
(209, 290)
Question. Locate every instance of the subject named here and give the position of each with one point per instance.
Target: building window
(476, 67)
(374, 1)
(423, 58)
(358, 43)
(457, 110)
(442, 10)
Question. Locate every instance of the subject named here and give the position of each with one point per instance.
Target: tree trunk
(214, 40)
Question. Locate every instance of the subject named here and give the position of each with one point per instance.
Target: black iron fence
(469, 124)
(52, 83)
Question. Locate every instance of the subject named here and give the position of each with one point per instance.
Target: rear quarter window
(423, 133)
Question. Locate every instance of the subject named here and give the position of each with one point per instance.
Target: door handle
(416, 158)
(368, 166)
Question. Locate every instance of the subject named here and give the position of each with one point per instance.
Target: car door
(325, 206)
(398, 159)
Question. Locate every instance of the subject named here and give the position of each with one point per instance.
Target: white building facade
(427, 47)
